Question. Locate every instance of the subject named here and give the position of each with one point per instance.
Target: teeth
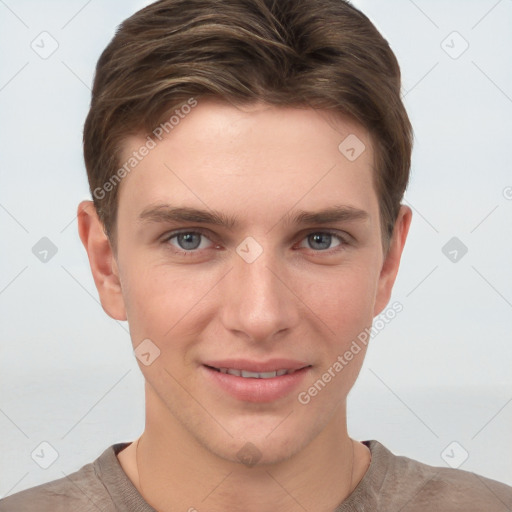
(254, 375)
(264, 375)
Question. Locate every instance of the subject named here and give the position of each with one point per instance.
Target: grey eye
(188, 241)
(320, 241)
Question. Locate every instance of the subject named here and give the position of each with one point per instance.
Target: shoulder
(425, 487)
(81, 491)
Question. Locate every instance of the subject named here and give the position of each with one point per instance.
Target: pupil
(186, 241)
(323, 239)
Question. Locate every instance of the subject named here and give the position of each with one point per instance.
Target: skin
(296, 300)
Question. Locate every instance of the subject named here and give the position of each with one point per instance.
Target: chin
(256, 448)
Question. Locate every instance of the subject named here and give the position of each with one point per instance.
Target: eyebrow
(169, 213)
(336, 213)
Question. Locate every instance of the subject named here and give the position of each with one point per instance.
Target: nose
(258, 300)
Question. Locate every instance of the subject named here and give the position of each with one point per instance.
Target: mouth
(246, 374)
(249, 381)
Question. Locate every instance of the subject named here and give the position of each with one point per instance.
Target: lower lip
(257, 390)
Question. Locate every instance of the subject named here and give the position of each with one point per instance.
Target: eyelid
(201, 231)
(205, 232)
(343, 237)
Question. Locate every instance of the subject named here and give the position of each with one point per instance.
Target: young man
(247, 159)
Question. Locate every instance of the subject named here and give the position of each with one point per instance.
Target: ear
(392, 259)
(101, 258)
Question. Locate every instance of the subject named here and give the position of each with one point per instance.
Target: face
(248, 240)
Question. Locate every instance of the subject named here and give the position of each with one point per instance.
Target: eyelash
(343, 241)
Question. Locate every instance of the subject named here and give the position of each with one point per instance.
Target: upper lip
(257, 366)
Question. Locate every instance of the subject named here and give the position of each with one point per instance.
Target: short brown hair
(322, 54)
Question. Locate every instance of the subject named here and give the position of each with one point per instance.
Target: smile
(265, 385)
(253, 375)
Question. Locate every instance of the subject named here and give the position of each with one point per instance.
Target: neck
(172, 471)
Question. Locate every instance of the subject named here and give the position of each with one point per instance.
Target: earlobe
(391, 262)
(102, 260)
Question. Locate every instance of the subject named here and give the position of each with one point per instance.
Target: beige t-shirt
(392, 483)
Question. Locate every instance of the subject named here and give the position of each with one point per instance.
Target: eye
(188, 241)
(322, 240)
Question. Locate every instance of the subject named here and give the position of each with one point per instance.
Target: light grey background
(438, 373)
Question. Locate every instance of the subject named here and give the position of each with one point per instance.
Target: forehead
(258, 159)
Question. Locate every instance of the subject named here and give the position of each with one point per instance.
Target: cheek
(161, 303)
(344, 300)
(149, 298)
